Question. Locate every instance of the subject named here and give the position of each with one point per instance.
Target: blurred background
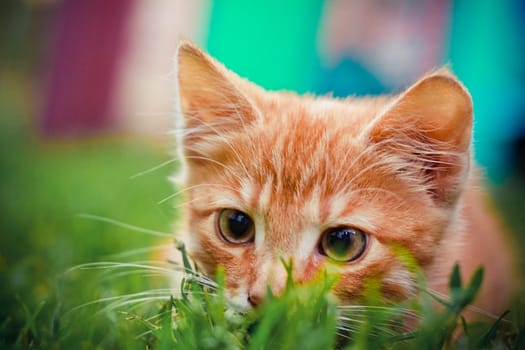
(86, 96)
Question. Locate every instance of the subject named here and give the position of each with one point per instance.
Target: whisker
(115, 275)
(170, 270)
(221, 136)
(353, 320)
(471, 307)
(101, 265)
(372, 307)
(358, 310)
(185, 189)
(134, 303)
(343, 335)
(155, 292)
(362, 154)
(124, 225)
(377, 190)
(185, 203)
(136, 251)
(150, 170)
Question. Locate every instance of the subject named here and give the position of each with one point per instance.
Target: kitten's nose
(270, 274)
(254, 299)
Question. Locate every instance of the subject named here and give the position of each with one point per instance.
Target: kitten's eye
(343, 244)
(235, 226)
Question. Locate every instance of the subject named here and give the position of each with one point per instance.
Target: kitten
(332, 184)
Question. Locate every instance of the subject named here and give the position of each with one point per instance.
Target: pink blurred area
(87, 48)
(109, 64)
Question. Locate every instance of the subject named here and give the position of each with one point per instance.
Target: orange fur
(396, 167)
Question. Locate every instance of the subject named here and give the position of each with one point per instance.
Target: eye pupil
(343, 244)
(238, 223)
(235, 226)
(340, 242)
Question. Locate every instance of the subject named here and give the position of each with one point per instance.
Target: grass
(42, 234)
(44, 186)
(306, 317)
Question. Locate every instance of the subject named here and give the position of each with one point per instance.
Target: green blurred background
(85, 104)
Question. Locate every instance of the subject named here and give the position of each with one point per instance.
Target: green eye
(343, 244)
(235, 226)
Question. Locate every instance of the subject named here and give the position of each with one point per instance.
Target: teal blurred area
(487, 49)
(86, 98)
(273, 43)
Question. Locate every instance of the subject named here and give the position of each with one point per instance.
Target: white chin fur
(238, 302)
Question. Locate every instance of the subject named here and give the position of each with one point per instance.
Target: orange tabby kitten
(332, 184)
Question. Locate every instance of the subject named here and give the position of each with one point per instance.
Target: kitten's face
(333, 185)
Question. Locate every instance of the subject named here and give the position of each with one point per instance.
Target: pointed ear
(209, 103)
(430, 126)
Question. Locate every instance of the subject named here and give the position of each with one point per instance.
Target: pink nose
(255, 299)
(270, 274)
(258, 292)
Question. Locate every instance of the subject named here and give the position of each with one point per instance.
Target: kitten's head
(331, 184)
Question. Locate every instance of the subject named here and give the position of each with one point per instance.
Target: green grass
(306, 317)
(43, 187)
(42, 234)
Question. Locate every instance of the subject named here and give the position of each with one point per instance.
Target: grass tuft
(307, 317)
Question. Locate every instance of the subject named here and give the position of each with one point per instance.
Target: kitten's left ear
(209, 102)
(430, 126)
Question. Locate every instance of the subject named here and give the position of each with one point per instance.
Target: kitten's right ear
(209, 103)
(429, 128)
